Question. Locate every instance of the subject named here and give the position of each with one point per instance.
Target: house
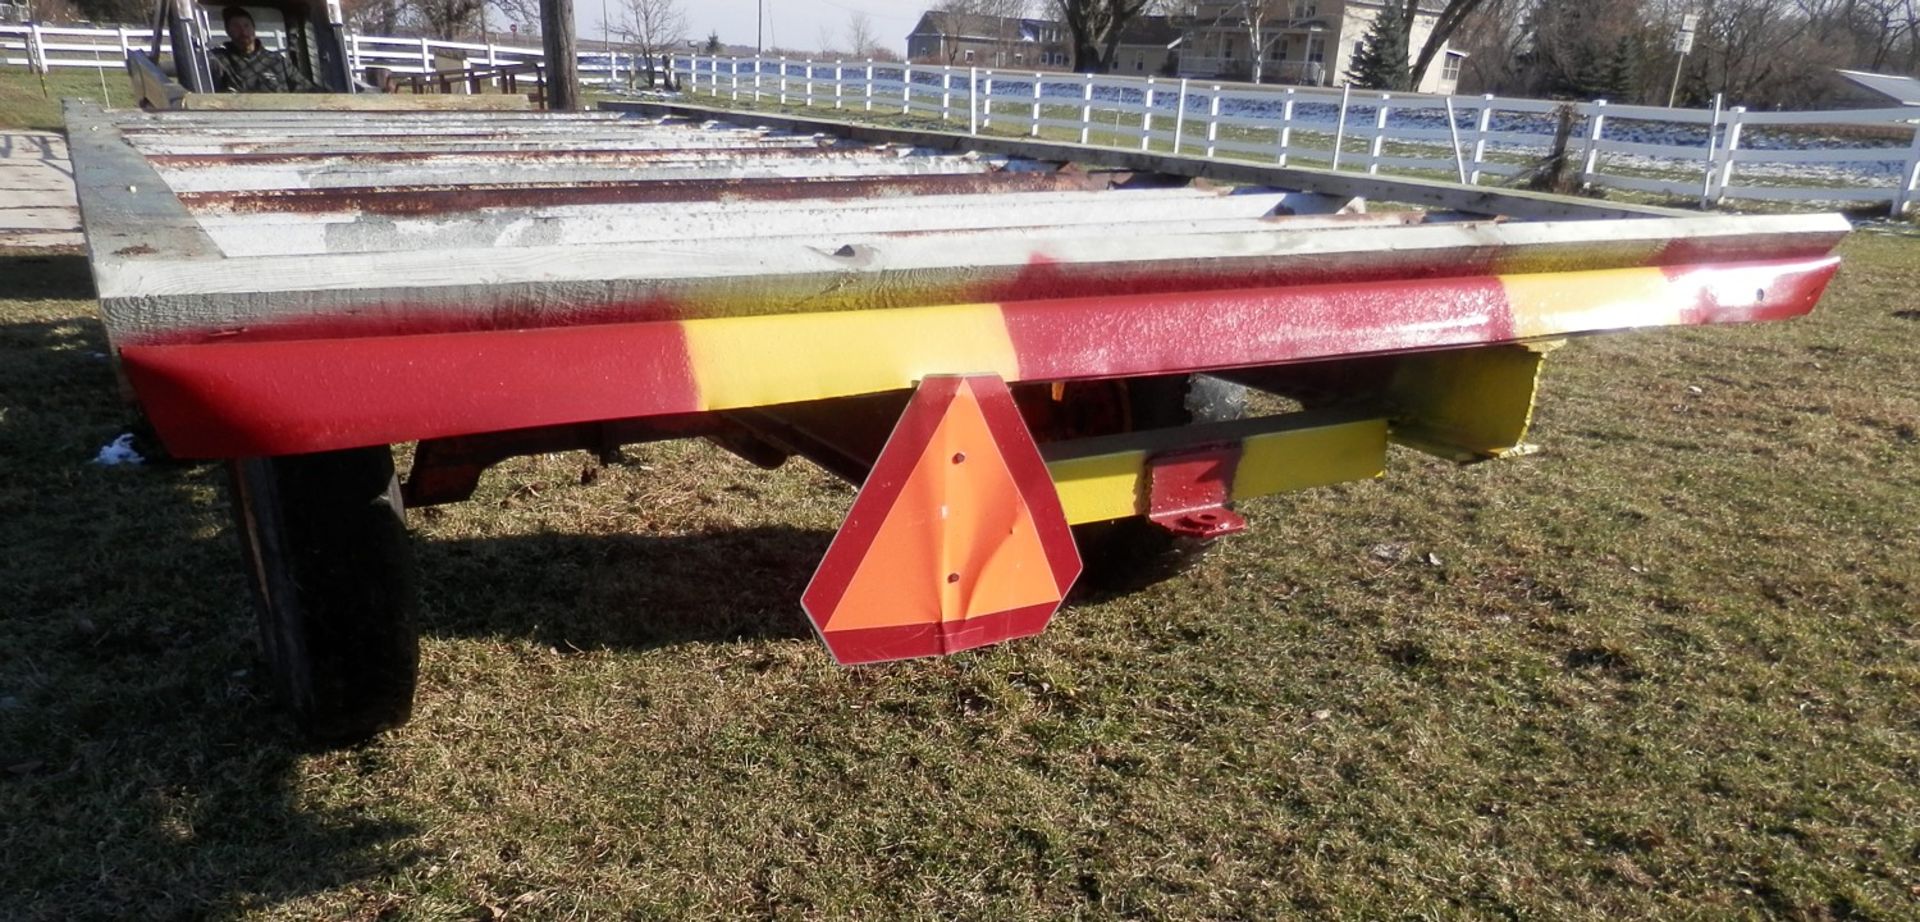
(1149, 46)
(1305, 42)
(964, 39)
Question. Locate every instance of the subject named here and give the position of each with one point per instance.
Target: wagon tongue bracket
(1188, 491)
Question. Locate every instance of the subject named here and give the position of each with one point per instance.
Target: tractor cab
(309, 35)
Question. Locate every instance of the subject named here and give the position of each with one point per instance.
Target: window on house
(1139, 63)
(1305, 10)
(1316, 49)
(1358, 47)
(969, 57)
(1450, 68)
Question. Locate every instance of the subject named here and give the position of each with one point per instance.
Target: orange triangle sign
(956, 540)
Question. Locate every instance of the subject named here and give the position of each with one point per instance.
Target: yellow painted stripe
(1278, 462)
(1100, 487)
(1112, 486)
(1557, 303)
(782, 358)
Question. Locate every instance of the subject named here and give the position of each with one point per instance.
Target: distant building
(1306, 42)
(1149, 46)
(988, 41)
(1870, 89)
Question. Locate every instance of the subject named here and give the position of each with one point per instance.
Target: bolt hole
(1206, 516)
(953, 577)
(1760, 295)
(959, 456)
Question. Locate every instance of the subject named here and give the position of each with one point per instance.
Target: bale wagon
(1031, 356)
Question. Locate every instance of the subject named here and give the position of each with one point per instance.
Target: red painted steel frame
(231, 399)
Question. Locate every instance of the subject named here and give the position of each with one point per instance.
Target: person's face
(240, 29)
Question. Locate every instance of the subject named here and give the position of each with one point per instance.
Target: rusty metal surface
(208, 224)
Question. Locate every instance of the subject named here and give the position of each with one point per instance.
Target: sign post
(1682, 43)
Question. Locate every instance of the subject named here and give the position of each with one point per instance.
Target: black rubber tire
(1127, 555)
(324, 539)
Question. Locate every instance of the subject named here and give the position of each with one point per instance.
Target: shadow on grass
(144, 771)
(628, 591)
(141, 773)
(44, 275)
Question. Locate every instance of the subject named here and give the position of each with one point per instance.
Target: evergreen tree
(713, 43)
(1381, 63)
(1618, 82)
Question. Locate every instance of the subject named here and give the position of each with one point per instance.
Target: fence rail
(1712, 155)
(43, 48)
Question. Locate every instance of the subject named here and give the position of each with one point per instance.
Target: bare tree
(1095, 26)
(651, 28)
(995, 20)
(860, 40)
(447, 19)
(522, 13)
(1445, 24)
(374, 17)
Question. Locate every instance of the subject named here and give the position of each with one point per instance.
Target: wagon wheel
(325, 543)
(1129, 554)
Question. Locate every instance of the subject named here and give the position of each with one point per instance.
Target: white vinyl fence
(1869, 156)
(1712, 155)
(44, 48)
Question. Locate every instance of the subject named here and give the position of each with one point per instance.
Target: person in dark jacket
(243, 65)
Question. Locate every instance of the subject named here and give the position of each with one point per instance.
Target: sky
(795, 24)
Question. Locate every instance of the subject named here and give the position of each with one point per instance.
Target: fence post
(1379, 135)
(1596, 126)
(986, 102)
(1285, 137)
(1213, 119)
(36, 49)
(125, 51)
(839, 82)
(1037, 78)
(1180, 118)
(733, 75)
(906, 89)
(1909, 178)
(973, 100)
(1713, 129)
(1340, 126)
(946, 93)
(759, 66)
(1727, 151)
(783, 79)
(1146, 118)
(869, 84)
(1086, 111)
(1481, 126)
(1453, 134)
(426, 57)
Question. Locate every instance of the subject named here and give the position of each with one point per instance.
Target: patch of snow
(119, 451)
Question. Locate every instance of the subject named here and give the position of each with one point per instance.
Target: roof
(1902, 90)
(971, 25)
(1158, 31)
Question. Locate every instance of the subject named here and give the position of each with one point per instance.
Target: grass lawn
(24, 103)
(1667, 668)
